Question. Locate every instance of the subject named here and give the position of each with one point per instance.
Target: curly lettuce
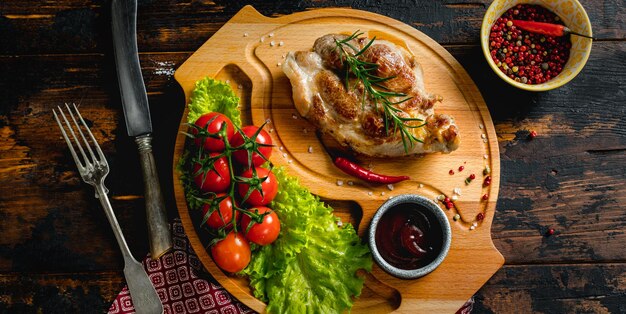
(213, 95)
(312, 266)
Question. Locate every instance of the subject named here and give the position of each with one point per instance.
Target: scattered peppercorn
(532, 134)
(485, 197)
(487, 170)
(469, 179)
(526, 57)
(480, 216)
(451, 172)
(446, 202)
(461, 168)
(487, 181)
(550, 232)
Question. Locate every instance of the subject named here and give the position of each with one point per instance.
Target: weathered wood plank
(59, 293)
(50, 219)
(581, 288)
(571, 177)
(584, 288)
(28, 27)
(582, 138)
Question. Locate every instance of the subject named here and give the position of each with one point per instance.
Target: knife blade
(137, 116)
(133, 91)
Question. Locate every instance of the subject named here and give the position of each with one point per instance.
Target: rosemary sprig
(378, 94)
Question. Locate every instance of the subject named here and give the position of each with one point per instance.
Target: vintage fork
(93, 168)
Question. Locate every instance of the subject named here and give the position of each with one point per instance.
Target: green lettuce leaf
(213, 95)
(312, 266)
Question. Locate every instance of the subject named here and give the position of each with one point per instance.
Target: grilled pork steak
(320, 95)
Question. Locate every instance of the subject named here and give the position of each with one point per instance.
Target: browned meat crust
(321, 96)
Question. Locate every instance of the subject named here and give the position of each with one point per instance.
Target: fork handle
(158, 230)
(101, 193)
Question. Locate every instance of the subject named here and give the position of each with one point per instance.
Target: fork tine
(80, 148)
(93, 139)
(80, 131)
(69, 143)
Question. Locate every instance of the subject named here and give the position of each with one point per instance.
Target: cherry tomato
(225, 209)
(262, 233)
(232, 254)
(217, 178)
(262, 138)
(212, 122)
(269, 186)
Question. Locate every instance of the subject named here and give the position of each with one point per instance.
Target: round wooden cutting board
(248, 51)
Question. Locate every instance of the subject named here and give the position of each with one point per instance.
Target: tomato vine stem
(210, 198)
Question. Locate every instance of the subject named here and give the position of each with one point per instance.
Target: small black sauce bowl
(425, 205)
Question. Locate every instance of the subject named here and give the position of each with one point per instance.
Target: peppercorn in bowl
(537, 60)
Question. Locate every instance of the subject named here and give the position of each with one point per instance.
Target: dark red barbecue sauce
(408, 236)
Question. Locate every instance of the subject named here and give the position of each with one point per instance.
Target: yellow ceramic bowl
(571, 13)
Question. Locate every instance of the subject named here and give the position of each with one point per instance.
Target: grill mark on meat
(437, 121)
(450, 133)
(391, 64)
(318, 113)
(325, 46)
(334, 93)
(373, 125)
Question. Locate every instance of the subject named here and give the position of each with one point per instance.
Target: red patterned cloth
(176, 277)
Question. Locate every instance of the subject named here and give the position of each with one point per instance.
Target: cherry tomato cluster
(235, 187)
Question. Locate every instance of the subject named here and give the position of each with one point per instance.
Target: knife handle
(158, 231)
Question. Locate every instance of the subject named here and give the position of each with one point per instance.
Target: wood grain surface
(57, 253)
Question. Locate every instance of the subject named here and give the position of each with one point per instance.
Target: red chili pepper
(547, 29)
(366, 175)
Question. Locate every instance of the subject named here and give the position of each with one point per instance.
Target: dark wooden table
(58, 254)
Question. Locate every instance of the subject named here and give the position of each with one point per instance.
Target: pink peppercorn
(527, 57)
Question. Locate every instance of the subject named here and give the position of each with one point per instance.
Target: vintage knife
(138, 124)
